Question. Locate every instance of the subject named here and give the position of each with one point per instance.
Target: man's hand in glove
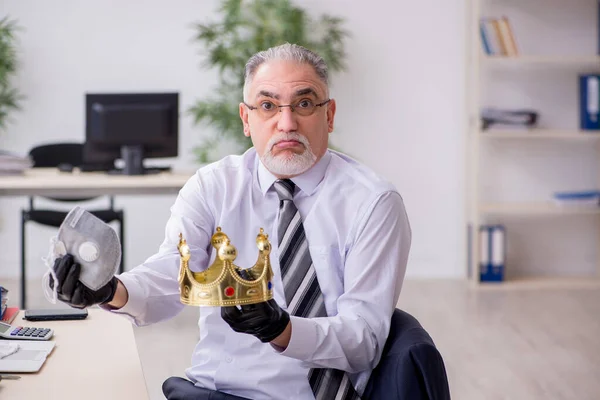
(71, 291)
(264, 320)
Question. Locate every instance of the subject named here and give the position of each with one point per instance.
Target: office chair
(411, 367)
(61, 155)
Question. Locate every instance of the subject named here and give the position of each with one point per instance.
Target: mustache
(287, 136)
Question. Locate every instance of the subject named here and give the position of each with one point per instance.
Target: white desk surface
(52, 182)
(94, 359)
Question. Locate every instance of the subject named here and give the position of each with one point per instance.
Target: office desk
(94, 359)
(52, 182)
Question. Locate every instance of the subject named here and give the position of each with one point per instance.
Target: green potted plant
(247, 27)
(9, 96)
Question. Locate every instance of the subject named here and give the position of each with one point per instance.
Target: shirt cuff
(135, 305)
(302, 341)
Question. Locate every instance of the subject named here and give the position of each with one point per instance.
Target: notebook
(10, 314)
(29, 358)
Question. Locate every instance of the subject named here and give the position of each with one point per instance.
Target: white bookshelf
(501, 154)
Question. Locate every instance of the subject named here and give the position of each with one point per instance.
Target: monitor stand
(133, 157)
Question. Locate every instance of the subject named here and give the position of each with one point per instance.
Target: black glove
(264, 320)
(71, 291)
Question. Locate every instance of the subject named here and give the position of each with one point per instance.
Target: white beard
(288, 164)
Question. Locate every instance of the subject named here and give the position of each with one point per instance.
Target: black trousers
(176, 388)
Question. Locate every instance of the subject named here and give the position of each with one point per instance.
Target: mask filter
(92, 243)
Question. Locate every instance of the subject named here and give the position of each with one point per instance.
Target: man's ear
(330, 115)
(244, 116)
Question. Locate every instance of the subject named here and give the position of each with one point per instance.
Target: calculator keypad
(27, 331)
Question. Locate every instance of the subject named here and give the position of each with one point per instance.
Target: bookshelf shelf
(537, 208)
(592, 62)
(543, 282)
(543, 51)
(527, 134)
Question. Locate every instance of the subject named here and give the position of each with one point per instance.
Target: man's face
(287, 143)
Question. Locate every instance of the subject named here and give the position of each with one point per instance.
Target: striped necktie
(302, 291)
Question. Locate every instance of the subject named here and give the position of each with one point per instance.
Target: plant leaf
(10, 98)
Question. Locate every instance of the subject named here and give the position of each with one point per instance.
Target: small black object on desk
(65, 167)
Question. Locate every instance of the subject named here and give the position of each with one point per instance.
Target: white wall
(400, 104)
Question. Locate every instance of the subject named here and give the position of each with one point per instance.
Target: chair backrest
(411, 367)
(52, 155)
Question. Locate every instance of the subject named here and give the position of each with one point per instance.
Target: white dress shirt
(359, 239)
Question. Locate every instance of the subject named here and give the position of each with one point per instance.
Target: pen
(12, 377)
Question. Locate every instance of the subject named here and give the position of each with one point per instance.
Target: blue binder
(589, 102)
(492, 260)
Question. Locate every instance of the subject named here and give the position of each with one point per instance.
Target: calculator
(8, 331)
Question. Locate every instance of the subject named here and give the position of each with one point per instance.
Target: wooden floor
(513, 344)
(497, 344)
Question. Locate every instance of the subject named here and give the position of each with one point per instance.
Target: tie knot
(285, 189)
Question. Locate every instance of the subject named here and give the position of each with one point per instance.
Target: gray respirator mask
(93, 244)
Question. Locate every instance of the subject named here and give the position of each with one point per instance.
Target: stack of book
(7, 314)
(3, 300)
(13, 164)
(497, 37)
(585, 198)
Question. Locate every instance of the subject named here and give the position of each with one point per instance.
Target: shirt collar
(307, 182)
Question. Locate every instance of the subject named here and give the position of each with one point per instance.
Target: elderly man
(343, 239)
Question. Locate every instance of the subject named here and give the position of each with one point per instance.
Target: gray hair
(286, 52)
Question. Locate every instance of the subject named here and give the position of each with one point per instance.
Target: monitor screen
(130, 124)
(116, 124)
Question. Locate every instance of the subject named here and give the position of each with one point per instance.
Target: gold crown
(221, 284)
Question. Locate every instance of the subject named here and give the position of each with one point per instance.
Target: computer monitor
(132, 127)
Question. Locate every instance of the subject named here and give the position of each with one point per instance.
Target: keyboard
(118, 171)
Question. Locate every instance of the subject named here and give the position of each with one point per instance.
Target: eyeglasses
(267, 109)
